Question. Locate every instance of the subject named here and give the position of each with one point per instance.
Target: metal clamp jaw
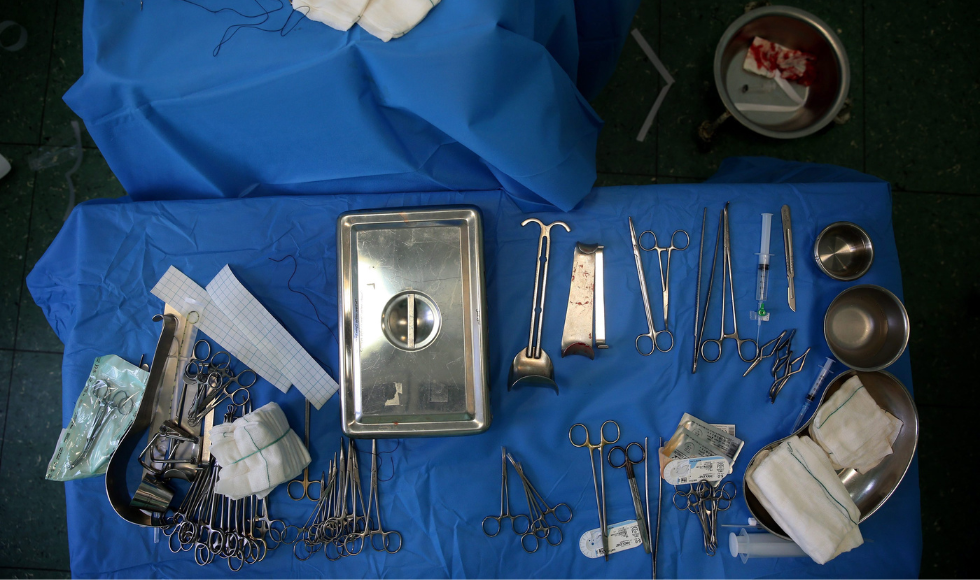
(115, 478)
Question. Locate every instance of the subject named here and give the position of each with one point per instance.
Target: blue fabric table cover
(480, 95)
(93, 285)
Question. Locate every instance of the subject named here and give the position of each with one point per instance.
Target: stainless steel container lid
(413, 345)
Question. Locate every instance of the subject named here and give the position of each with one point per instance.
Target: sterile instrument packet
(103, 413)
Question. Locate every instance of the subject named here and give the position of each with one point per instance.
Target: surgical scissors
(726, 267)
(587, 443)
(664, 272)
(652, 332)
(705, 501)
(304, 483)
(504, 500)
(628, 463)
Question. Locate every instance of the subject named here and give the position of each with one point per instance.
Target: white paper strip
(645, 47)
(193, 302)
(229, 314)
(273, 341)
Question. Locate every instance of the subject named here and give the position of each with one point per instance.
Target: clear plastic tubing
(762, 545)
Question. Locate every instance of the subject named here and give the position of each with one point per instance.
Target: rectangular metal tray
(428, 377)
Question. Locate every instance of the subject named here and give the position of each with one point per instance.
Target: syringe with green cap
(762, 276)
(824, 371)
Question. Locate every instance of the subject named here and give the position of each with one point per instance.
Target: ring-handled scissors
(305, 483)
(210, 359)
(727, 287)
(265, 527)
(243, 380)
(239, 398)
(652, 333)
(628, 463)
(587, 443)
(664, 272)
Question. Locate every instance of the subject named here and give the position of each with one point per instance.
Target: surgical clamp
(652, 332)
(600, 503)
(304, 483)
(726, 268)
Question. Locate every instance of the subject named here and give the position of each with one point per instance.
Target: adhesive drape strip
(281, 361)
(273, 340)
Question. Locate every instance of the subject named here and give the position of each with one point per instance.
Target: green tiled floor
(915, 123)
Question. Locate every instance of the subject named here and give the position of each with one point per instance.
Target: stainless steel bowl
(869, 490)
(866, 327)
(844, 251)
(796, 29)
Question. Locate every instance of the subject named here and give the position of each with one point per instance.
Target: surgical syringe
(762, 277)
(824, 371)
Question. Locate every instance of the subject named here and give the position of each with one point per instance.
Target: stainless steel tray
(413, 346)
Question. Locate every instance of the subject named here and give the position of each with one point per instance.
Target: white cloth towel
(853, 429)
(799, 488)
(338, 14)
(387, 19)
(256, 453)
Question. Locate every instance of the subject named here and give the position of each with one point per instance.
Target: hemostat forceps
(729, 287)
(664, 272)
(652, 333)
(504, 501)
(600, 502)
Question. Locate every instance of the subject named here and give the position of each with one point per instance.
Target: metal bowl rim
(870, 245)
(842, 61)
(805, 426)
(905, 317)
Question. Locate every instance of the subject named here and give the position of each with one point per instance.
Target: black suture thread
(232, 30)
(291, 289)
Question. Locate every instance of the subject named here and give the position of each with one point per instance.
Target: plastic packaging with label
(104, 412)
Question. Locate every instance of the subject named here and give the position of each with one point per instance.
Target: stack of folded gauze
(256, 453)
(339, 14)
(385, 19)
(853, 429)
(798, 487)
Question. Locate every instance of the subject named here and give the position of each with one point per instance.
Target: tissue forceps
(652, 332)
(726, 267)
(305, 483)
(587, 443)
(664, 272)
(628, 463)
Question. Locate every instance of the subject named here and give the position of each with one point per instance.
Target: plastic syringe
(824, 371)
(762, 276)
